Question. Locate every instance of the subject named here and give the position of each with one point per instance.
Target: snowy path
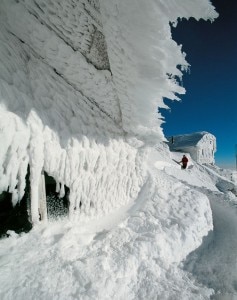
(215, 262)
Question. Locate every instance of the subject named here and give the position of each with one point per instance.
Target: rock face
(200, 145)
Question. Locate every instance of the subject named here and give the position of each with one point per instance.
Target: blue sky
(210, 102)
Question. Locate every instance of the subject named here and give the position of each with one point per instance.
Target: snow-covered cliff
(80, 84)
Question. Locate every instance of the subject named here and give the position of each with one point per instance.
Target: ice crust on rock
(80, 84)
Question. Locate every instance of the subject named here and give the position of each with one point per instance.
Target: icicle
(62, 191)
(42, 198)
(34, 205)
(57, 187)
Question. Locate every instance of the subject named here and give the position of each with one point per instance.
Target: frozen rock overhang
(84, 40)
(144, 60)
(75, 78)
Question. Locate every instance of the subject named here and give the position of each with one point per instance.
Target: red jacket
(184, 160)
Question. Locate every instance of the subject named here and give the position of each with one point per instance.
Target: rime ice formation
(200, 145)
(80, 83)
(135, 252)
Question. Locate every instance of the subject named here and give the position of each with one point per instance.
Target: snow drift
(138, 251)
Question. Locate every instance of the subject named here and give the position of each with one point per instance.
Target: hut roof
(186, 140)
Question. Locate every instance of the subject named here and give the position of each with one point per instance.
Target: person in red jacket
(184, 162)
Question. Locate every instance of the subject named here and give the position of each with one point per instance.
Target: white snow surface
(140, 251)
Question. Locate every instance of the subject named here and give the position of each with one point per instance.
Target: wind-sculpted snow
(145, 62)
(66, 135)
(132, 254)
(78, 23)
(138, 251)
(80, 84)
(46, 45)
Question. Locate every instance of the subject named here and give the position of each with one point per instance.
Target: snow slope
(140, 251)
